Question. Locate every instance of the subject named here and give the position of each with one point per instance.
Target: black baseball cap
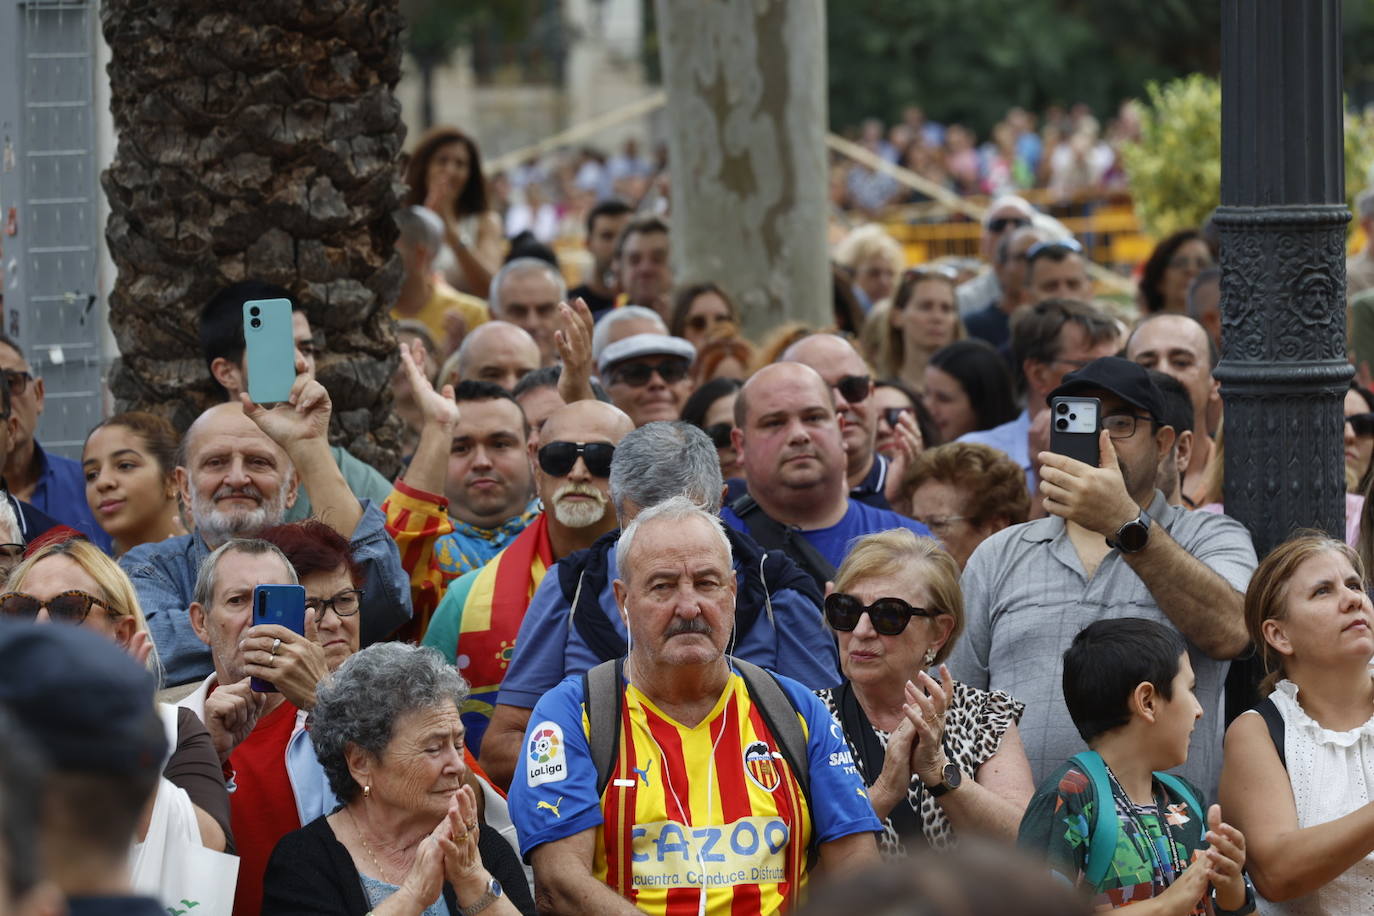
(86, 703)
(1127, 380)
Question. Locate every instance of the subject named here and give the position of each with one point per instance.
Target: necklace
(1170, 870)
(370, 854)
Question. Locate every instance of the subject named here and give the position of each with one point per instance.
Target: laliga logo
(546, 761)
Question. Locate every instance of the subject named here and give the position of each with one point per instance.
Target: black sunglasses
(1002, 222)
(889, 616)
(720, 434)
(853, 388)
(71, 607)
(1362, 424)
(558, 458)
(637, 375)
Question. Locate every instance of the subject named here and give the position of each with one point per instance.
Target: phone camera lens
(1061, 423)
(1073, 416)
(255, 311)
(256, 322)
(1063, 408)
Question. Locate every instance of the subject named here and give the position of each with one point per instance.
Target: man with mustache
(573, 621)
(241, 467)
(477, 622)
(704, 807)
(788, 437)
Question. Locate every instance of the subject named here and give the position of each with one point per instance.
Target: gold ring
(276, 644)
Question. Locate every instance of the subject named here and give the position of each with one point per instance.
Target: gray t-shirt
(1026, 597)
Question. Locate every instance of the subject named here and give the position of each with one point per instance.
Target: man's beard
(579, 514)
(216, 527)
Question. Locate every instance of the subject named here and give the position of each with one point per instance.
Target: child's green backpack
(1102, 845)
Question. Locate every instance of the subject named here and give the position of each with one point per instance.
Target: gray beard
(217, 527)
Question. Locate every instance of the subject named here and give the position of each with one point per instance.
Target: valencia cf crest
(761, 766)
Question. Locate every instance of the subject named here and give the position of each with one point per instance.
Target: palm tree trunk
(256, 140)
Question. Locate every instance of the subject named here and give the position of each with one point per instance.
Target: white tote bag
(171, 864)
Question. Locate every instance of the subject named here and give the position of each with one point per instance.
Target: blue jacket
(164, 577)
(787, 633)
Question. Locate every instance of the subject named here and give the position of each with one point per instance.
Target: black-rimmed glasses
(345, 603)
(1122, 425)
(637, 375)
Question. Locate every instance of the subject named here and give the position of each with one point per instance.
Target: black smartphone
(1075, 426)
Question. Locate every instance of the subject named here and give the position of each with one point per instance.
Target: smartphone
(1075, 425)
(270, 354)
(283, 605)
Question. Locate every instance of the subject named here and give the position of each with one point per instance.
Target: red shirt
(262, 807)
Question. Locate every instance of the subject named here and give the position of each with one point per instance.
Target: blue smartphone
(283, 605)
(270, 354)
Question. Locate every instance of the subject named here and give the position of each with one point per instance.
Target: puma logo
(643, 771)
(552, 807)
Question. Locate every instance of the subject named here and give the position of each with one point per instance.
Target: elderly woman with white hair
(408, 839)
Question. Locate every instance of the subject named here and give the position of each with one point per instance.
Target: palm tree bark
(256, 140)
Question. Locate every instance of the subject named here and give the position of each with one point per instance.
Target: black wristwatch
(1246, 908)
(493, 893)
(950, 779)
(1132, 536)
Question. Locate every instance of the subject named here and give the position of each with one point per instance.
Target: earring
(930, 657)
(367, 791)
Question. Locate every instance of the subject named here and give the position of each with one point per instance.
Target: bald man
(788, 437)
(497, 352)
(851, 384)
(572, 465)
(242, 467)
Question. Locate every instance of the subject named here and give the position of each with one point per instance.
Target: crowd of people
(659, 618)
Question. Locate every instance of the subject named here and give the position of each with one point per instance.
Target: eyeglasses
(702, 322)
(893, 415)
(558, 458)
(1122, 425)
(853, 388)
(1002, 222)
(637, 375)
(345, 604)
(11, 555)
(70, 607)
(889, 616)
(941, 523)
(1362, 424)
(720, 434)
(1064, 246)
(17, 379)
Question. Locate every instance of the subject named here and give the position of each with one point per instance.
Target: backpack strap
(1102, 842)
(1269, 712)
(774, 535)
(1180, 788)
(603, 695)
(780, 715)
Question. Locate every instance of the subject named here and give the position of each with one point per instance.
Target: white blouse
(1331, 774)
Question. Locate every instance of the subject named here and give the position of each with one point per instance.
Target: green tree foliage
(1175, 169)
(969, 60)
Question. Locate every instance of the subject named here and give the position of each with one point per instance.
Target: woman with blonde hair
(940, 759)
(873, 259)
(73, 583)
(1299, 767)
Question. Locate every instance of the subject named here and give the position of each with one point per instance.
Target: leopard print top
(974, 725)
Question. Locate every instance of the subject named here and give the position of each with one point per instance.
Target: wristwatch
(1132, 536)
(950, 779)
(481, 903)
(1246, 908)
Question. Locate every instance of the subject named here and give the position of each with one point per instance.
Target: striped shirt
(711, 809)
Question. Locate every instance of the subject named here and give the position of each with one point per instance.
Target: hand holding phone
(283, 605)
(269, 349)
(1075, 425)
